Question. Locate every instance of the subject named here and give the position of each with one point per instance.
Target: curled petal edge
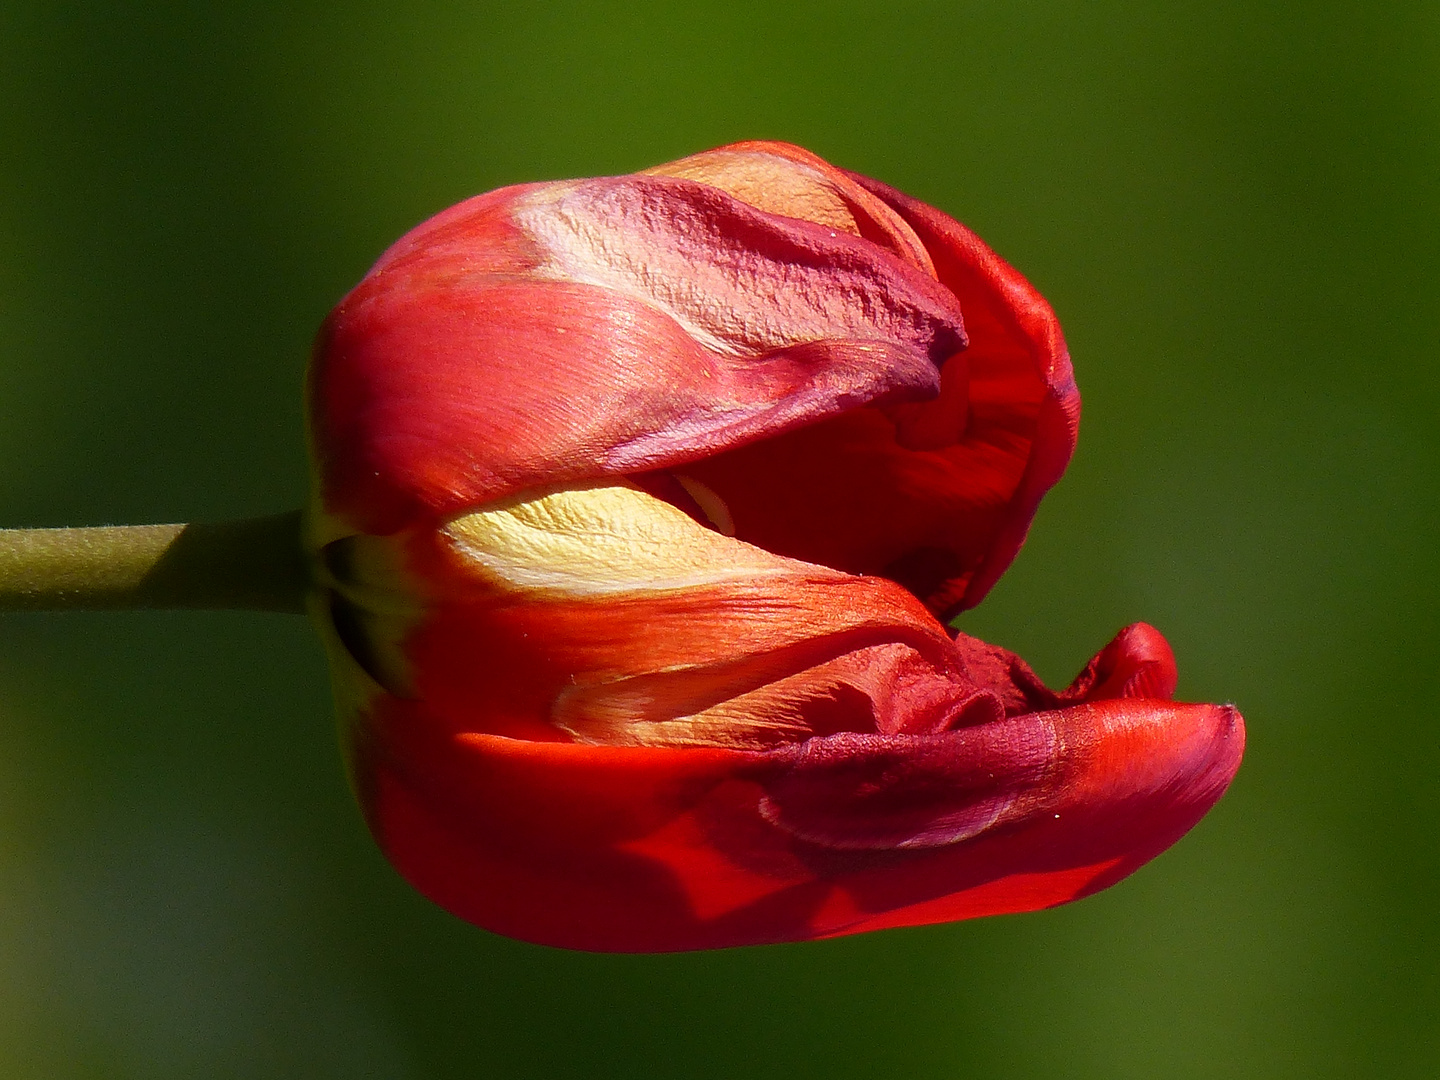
(644, 849)
(1003, 314)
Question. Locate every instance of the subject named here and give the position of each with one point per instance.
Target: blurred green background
(1234, 207)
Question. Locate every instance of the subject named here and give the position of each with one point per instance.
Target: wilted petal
(783, 179)
(633, 322)
(1023, 401)
(649, 848)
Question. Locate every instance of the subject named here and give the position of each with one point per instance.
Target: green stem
(256, 564)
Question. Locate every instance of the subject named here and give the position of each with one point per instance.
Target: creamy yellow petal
(602, 539)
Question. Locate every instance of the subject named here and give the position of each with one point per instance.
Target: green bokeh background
(1235, 209)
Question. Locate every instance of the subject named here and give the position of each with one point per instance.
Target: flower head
(640, 501)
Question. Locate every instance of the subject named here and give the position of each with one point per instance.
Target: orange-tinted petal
(781, 178)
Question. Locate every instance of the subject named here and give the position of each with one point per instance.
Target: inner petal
(756, 705)
(915, 493)
(624, 620)
(600, 539)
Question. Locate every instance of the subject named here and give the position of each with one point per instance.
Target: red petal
(550, 669)
(647, 849)
(1023, 394)
(937, 495)
(555, 333)
(1138, 663)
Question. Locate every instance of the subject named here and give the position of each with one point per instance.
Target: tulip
(641, 502)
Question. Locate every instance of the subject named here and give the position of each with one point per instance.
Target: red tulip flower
(641, 503)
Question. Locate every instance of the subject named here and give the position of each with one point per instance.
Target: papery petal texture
(640, 501)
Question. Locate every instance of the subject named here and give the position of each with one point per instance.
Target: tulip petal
(1017, 355)
(530, 631)
(822, 650)
(740, 280)
(935, 494)
(632, 322)
(1138, 663)
(653, 849)
(781, 178)
(598, 540)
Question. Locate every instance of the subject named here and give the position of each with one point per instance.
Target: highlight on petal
(783, 179)
(601, 539)
(739, 280)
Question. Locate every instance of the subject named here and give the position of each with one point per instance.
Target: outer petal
(1017, 355)
(938, 494)
(654, 849)
(586, 329)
